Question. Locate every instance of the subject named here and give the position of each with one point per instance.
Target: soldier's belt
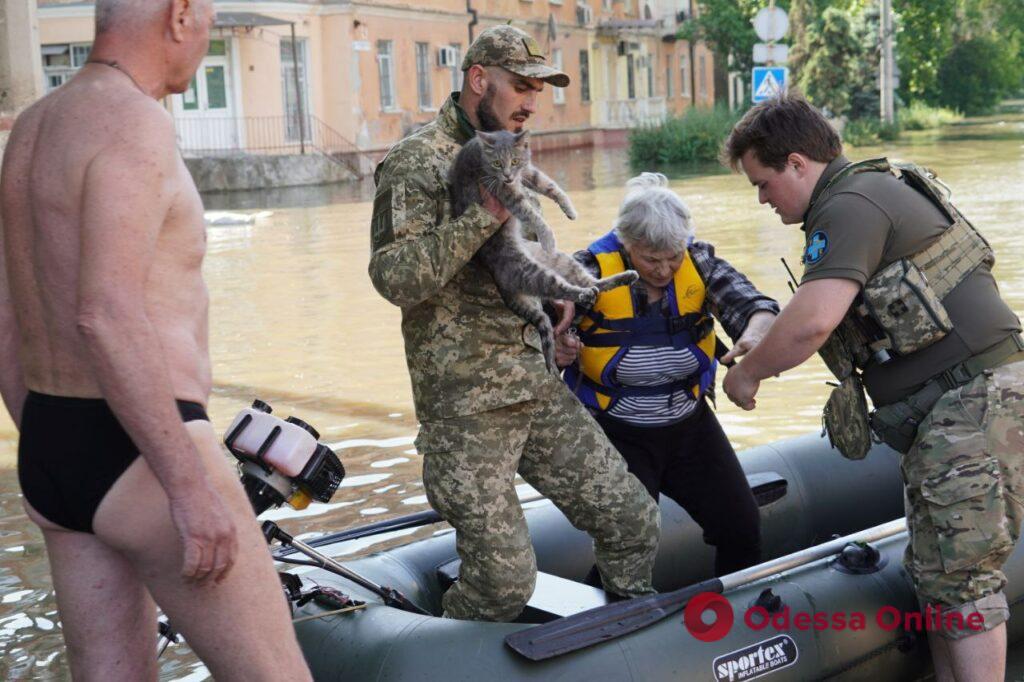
(896, 424)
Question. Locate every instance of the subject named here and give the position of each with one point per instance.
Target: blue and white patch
(816, 249)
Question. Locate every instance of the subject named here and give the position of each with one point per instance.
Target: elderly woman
(644, 363)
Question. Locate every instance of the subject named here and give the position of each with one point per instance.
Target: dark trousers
(693, 463)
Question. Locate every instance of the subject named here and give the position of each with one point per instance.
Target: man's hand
(567, 349)
(757, 325)
(566, 311)
(208, 534)
(741, 387)
(494, 207)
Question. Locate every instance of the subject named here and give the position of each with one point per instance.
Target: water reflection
(296, 322)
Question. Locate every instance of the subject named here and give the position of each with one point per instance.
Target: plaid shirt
(730, 297)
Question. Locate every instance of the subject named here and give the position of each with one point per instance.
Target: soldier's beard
(485, 116)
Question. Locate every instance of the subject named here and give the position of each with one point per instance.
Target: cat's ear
(487, 138)
(522, 138)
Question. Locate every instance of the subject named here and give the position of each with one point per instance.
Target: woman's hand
(757, 327)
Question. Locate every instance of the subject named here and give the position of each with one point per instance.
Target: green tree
(924, 35)
(980, 72)
(832, 56)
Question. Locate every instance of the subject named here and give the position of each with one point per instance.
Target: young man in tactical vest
(898, 296)
(487, 406)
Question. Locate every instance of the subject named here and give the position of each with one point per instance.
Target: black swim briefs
(72, 451)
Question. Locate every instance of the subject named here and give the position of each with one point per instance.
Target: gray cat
(526, 272)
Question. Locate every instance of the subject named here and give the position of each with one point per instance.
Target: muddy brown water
(295, 321)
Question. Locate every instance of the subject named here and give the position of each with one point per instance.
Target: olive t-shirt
(866, 221)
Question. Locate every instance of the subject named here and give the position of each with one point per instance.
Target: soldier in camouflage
(487, 406)
(898, 292)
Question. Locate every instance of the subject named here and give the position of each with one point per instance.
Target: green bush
(867, 131)
(980, 72)
(920, 116)
(697, 135)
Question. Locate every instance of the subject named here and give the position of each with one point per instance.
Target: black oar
(621, 618)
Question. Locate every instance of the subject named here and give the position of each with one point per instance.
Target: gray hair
(111, 13)
(653, 215)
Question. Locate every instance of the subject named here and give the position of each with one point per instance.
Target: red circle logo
(694, 612)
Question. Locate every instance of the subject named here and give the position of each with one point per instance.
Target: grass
(867, 131)
(920, 116)
(697, 135)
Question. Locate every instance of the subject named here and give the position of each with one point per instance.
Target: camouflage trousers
(469, 467)
(964, 483)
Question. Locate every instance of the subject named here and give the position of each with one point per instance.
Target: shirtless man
(103, 327)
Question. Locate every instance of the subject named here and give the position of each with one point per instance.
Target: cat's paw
(588, 296)
(630, 276)
(569, 211)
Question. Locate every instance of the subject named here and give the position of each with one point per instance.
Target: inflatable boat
(829, 609)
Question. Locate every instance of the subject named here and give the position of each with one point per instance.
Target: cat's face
(505, 154)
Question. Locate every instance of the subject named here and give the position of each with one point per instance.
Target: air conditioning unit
(448, 56)
(584, 15)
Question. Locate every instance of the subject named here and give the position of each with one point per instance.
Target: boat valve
(769, 601)
(859, 558)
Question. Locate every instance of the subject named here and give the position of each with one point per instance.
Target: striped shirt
(729, 297)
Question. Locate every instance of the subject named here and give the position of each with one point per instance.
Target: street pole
(887, 75)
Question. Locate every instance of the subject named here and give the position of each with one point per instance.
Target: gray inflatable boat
(808, 495)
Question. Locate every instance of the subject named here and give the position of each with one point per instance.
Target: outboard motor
(281, 460)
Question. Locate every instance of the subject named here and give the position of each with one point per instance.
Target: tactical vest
(611, 327)
(899, 311)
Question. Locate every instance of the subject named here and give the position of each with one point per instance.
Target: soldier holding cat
(487, 404)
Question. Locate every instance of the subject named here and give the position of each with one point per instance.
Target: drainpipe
(473, 22)
(298, 93)
(693, 66)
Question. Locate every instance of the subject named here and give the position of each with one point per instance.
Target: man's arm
(801, 328)
(12, 381)
(414, 257)
(128, 191)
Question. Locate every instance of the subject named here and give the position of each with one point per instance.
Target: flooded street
(296, 323)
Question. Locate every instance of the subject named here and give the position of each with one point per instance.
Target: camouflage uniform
(487, 406)
(964, 495)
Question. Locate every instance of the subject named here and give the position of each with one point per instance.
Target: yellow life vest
(611, 327)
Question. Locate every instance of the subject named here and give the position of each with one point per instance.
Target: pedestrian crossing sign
(769, 82)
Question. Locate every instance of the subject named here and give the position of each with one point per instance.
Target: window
(649, 61)
(556, 61)
(668, 76)
(584, 75)
(386, 72)
(630, 78)
(294, 88)
(423, 75)
(606, 5)
(61, 62)
(702, 77)
(684, 76)
(457, 67)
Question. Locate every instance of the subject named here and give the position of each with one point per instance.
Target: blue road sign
(768, 82)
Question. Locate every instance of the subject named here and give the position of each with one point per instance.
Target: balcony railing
(629, 113)
(209, 136)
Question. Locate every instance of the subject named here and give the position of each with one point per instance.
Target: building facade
(336, 75)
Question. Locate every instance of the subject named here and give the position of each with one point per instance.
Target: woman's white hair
(654, 216)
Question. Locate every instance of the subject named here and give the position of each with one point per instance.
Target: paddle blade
(604, 623)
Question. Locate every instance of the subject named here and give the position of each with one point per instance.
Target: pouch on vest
(904, 304)
(845, 419)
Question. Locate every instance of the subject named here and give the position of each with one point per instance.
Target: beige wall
(20, 70)
(344, 85)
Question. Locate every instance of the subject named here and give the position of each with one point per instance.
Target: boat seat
(553, 597)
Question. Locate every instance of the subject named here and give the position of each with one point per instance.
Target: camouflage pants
(469, 467)
(964, 481)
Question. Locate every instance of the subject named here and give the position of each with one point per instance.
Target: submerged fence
(225, 136)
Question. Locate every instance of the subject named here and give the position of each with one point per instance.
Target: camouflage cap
(513, 49)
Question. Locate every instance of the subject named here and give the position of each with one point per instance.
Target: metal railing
(225, 136)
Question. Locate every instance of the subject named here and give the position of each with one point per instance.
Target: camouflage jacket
(466, 351)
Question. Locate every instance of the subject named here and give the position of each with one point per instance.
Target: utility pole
(887, 71)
